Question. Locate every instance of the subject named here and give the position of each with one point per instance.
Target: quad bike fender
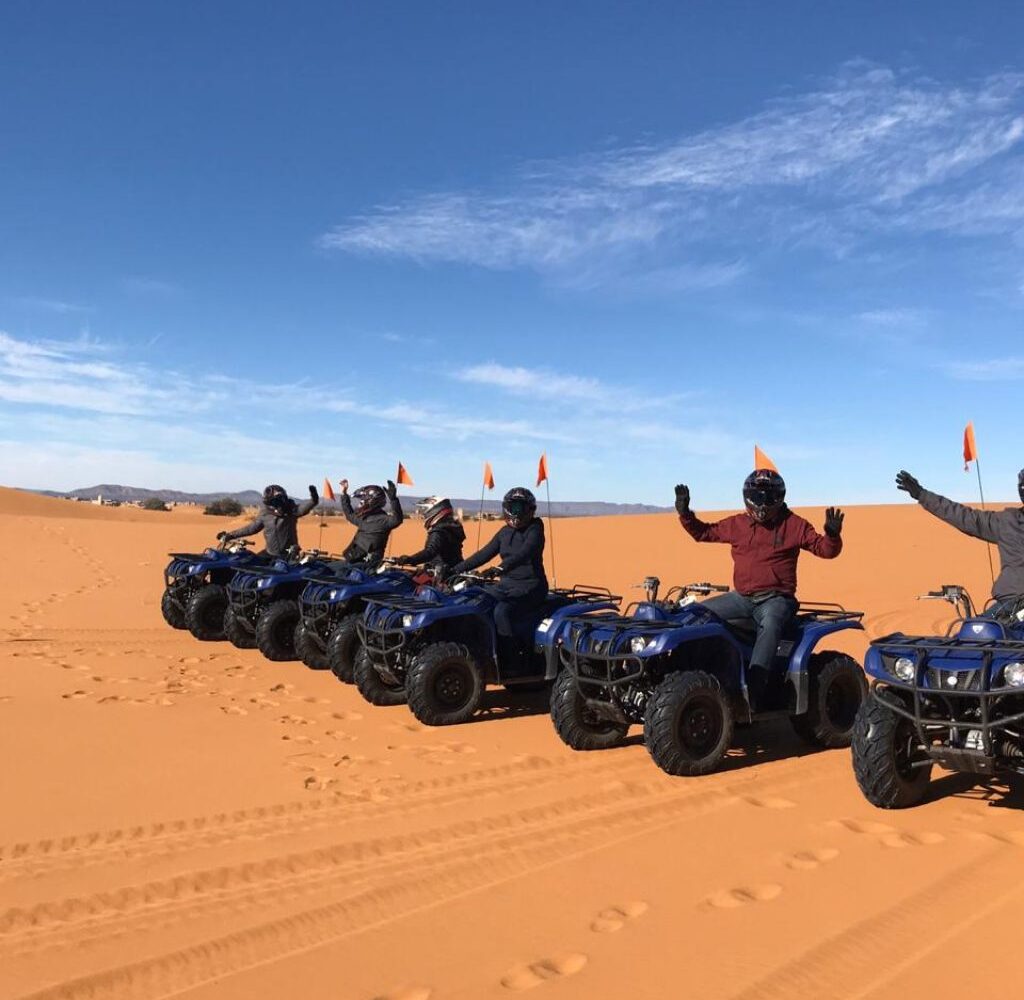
(797, 673)
(548, 638)
(671, 639)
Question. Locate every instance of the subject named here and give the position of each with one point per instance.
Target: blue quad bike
(438, 649)
(332, 604)
(955, 700)
(195, 586)
(263, 602)
(675, 667)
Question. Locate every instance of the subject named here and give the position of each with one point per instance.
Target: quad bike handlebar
(234, 544)
(651, 585)
(955, 594)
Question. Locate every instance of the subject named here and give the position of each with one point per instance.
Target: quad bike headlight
(265, 582)
(638, 644)
(406, 621)
(192, 568)
(903, 668)
(544, 625)
(332, 595)
(1013, 675)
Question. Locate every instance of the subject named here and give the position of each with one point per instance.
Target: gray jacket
(279, 530)
(1004, 528)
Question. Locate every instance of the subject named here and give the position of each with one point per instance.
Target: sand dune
(189, 819)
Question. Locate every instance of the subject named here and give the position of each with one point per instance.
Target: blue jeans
(771, 614)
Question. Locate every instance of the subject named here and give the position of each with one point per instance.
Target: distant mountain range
(249, 498)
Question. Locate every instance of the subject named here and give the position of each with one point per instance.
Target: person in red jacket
(766, 541)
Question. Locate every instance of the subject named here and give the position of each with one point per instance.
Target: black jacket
(279, 530)
(1005, 528)
(371, 538)
(522, 558)
(443, 545)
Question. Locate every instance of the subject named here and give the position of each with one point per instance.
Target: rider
(522, 584)
(277, 519)
(1005, 528)
(445, 536)
(766, 541)
(366, 510)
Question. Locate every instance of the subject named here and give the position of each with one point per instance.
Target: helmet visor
(516, 507)
(762, 497)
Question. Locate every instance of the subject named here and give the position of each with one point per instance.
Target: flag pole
(551, 530)
(480, 516)
(988, 545)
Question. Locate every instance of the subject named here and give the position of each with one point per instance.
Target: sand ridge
(189, 819)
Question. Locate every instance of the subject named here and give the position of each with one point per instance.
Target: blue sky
(247, 243)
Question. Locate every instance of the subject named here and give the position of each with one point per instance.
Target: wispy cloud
(50, 305)
(557, 387)
(993, 370)
(893, 318)
(867, 149)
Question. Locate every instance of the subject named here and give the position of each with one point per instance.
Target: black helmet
(518, 506)
(764, 493)
(439, 509)
(276, 498)
(367, 499)
(1020, 485)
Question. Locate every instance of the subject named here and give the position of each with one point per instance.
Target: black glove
(906, 482)
(221, 535)
(682, 499)
(392, 490)
(313, 495)
(834, 522)
(493, 573)
(402, 561)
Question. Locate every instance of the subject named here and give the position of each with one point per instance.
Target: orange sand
(188, 819)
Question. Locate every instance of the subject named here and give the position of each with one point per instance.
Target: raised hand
(682, 498)
(343, 483)
(392, 490)
(834, 522)
(906, 482)
(314, 495)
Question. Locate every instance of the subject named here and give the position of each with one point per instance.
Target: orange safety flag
(542, 469)
(328, 489)
(970, 447)
(488, 476)
(402, 477)
(762, 461)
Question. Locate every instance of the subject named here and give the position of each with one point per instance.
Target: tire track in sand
(567, 830)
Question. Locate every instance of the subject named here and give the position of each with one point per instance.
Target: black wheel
(891, 767)
(372, 686)
(308, 649)
(205, 613)
(837, 690)
(688, 723)
(172, 609)
(238, 631)
(275, 630)
(342, 648)
(444, 685)
(575, 724)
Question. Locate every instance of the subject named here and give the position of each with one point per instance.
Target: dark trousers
(514, 611)
(771, 614)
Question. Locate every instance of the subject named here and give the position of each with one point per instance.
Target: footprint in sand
(614, 918)
(809, 860)
(525, 977)
(233, 710)
(730, 899)
(767, 802)
(889, 836)
(76, 694)
(924, 839)
(406, 993)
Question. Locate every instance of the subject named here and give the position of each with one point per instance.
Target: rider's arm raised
(976, 523)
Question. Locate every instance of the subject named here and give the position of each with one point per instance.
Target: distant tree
(154, 503)
(224, 507)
